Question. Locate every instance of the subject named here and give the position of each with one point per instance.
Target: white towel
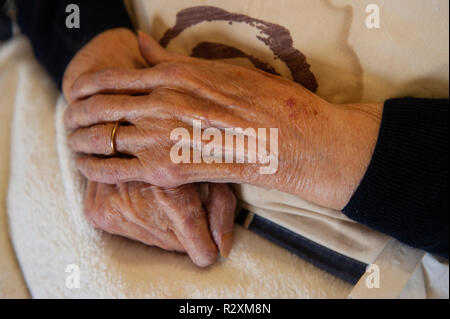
(12, 60)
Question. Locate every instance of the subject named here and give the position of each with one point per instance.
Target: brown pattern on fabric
(276, 37)
(210, 50)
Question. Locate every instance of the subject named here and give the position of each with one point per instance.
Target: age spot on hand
(291, 102)
(292, 108)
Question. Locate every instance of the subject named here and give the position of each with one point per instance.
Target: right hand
(172, 219)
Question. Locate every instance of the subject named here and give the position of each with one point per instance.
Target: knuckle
(81, 86)
(165, 175)
(97, 135)
(91, 213)
(104, 219)
(101, 222)
(110, 175)
(72, 142)
(173, 175)
(107, 78)
(90, 105)
(161, 93)
(90, 102)
(85, 167)
(72, 114)
(156, 177)
(109, 72)
(166, 102)
(68, 117)
(174, 69)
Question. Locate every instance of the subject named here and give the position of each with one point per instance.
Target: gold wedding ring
(113, 138)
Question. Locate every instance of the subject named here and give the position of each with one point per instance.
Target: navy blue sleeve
(54, 45)
(404, 192)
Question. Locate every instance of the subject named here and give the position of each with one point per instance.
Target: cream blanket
(12, 61)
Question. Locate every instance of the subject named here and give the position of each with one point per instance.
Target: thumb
(154, 53)
(221, 207)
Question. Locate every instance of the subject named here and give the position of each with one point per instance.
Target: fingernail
(142, 35)
(225, 244)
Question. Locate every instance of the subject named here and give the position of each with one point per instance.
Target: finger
(104, 217)
(110, 170)
(154, 53)
(162, 103)
(149, 236)
(114, 47)
(136, 81)
(188, 107)
(103, 212)
(104, 108)
(166, 240)
(97, 139)
(221, 208)
(189, 223)
(139, 233)
(115, 80)
(114, 223)
(130, 81)
(173, 175)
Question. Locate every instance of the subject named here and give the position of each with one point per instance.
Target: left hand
(323, 151)
(112, 48)
(175, 219)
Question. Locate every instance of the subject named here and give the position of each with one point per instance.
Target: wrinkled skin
(197, 219)
(172, 219)
(324, 149)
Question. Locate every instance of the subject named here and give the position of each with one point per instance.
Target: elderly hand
(173, 219)
(112, 48)
(323, 153)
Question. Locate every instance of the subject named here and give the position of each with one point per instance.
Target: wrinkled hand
(324, 149)
(113, 48)
(173, 219)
